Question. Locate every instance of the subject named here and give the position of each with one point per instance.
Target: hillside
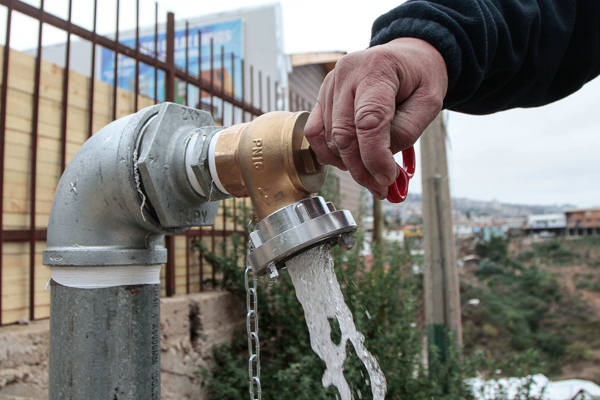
(539, 302)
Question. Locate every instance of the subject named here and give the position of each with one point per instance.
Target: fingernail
(382, 179)
(376, 194)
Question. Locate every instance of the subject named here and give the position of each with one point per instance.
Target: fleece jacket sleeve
(503, 54)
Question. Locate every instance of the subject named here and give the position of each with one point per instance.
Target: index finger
(315, 134)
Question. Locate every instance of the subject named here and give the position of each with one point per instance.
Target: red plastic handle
(398, 190)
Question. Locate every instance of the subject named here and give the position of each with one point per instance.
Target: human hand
(375, 103)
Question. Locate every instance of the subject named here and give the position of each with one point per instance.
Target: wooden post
(377, 221)
(442, 297)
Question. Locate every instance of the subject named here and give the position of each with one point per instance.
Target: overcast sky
(547, 155)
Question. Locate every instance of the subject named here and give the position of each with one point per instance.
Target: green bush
(552, 251)
(578, 351)
(384, 300)
(587, 282)
(526, 256)
(496, 249)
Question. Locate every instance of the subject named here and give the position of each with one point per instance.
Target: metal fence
(46, 116)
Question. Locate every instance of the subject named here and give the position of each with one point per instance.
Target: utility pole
(442, 297)
(377, 221)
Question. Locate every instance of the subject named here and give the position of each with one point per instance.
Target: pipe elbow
(128, 186)
(98, 215)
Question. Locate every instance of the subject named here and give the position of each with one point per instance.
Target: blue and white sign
(226, 34)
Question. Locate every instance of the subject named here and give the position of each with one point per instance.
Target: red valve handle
(398, 190)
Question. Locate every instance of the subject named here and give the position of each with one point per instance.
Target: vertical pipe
(33, 167)
(290, 100)
(170, 96)
(116, 68)
(297, 102)
(3, 98)
(65, 96)
(105, 343)
(92, 76)
(137, 56)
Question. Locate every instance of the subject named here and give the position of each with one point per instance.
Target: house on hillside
(546, 225)
(583, 222)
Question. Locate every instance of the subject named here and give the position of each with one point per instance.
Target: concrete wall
(190, 326)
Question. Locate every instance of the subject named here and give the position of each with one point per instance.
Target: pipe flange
(296, 228)
(161, 164)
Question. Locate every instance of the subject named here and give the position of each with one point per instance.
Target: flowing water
(319, 292)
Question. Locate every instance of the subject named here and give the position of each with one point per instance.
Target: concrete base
(190, 326)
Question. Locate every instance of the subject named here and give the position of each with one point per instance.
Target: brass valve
(269, 160)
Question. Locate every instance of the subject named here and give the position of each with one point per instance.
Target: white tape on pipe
(212, 164)
(189, 153)
(103, 277)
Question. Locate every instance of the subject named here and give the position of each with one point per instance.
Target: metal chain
(252, 314)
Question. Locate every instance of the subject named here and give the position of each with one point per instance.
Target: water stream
(319, 292)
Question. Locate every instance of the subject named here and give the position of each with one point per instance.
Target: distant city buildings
(484, 220)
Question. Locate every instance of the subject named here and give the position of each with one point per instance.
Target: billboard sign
(227, 34)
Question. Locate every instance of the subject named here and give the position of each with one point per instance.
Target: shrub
(496, 249)
(384, 300)
(578, 351)
(552, 251)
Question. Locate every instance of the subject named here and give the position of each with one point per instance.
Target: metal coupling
(296, 228)
(173, 166)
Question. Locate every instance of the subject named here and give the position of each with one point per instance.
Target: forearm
(503, 54)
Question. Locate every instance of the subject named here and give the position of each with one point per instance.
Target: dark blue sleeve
(503, 54)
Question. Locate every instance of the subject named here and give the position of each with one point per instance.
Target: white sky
(548, 155)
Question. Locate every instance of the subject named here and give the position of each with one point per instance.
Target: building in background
(248, 59)
(583, 222)
(546, 224)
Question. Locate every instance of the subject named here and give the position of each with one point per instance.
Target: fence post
(170, 96)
